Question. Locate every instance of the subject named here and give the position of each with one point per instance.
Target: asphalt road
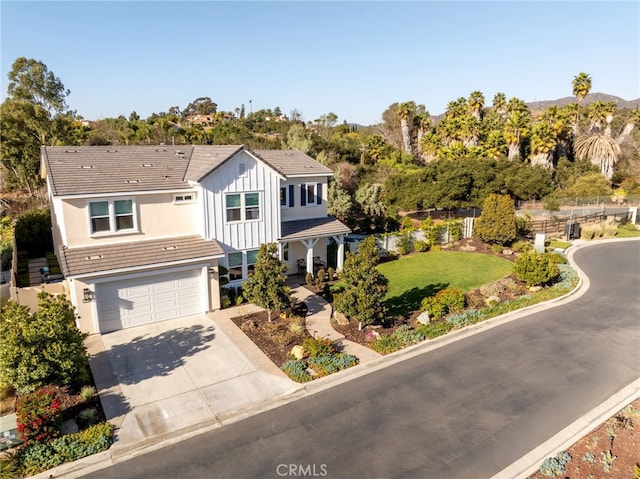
(466, 410)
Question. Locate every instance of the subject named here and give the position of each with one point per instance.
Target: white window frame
(243, 207)
(181, 198)
(314, 186)
(112, 216)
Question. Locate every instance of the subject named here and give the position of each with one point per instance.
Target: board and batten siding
(299, 211)
(242, 235)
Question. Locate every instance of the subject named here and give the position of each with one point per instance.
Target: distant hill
(590, 98)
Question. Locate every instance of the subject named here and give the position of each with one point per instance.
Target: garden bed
(611, 450)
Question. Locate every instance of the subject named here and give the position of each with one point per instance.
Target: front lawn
(413, 277)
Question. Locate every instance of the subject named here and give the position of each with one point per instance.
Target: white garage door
(133, 302)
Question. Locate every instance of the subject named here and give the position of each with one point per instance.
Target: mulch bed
(275, 338)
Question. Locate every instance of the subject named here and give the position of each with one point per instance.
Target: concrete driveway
(164, 379)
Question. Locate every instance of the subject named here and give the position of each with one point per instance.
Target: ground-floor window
(240, 261)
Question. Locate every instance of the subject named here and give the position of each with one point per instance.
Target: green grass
(413, 277)
(627, 232)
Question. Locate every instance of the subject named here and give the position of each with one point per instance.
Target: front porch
(303, 244)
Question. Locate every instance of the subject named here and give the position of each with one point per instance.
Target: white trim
(315, 194)
(312, 175)
(122, 193)
(112, 216)
(181, 198)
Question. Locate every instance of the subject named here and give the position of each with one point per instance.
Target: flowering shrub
(38, 415)
(318, 347)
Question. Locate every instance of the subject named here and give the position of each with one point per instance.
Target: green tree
(41, 348)
(497, 223)
(543, 144)
(339, 203)
(365, 286)
(33, 114)
(266, 286)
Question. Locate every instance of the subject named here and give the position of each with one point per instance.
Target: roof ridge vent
(85, 167)
(169, 248)
(147, 165)
(132, 181)
(71, 151)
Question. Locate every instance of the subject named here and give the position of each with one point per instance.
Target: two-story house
(140, 231)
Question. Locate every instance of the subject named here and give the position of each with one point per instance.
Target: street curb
(530, 462)
(517, 470)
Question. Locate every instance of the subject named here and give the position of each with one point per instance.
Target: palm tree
(581, 88)
(456, 108)
(469, 131)
(494, 147)
(476, 103)
(610, 108)
(602, 150)
(424, 122)
(543, 143)
(431, 145)
(516, 129)
(404, 111)
(597, 114)
(632, 120)
(500, 104)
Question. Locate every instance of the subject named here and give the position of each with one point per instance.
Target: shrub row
(39, 457)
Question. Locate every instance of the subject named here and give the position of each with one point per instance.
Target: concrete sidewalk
(318, 323)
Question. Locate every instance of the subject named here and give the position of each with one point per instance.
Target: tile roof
(207, 158)
(96, 259)
(88, 170)
(311, 228)
(292, 162)
(76, 170)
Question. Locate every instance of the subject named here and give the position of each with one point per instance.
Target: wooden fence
(558, 224)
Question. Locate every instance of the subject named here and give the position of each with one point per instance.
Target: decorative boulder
(297, 352)
(424, 318)
(340, 318)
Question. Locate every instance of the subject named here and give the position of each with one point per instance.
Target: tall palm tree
(543, 143)
(424, 122)
(516, 129)
(601, 150)
(611, 107)
(456, 108)
(476, 103)
(597, 114)
(404, 111)
(581, 87)
(431, 145)
(559, 121)
(500, 104)
(469, 131)
(494, 147)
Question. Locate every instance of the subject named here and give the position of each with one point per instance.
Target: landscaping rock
(424, 318)
(340, 318)
(507, 252)
(70, 426)
(297, 352)
(492, 300)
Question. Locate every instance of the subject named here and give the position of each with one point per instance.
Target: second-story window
(112, 216)
(243, 206)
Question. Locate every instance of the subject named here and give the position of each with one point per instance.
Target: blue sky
(350, 58)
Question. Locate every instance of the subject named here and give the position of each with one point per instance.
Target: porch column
(309, 244)
(340, 260)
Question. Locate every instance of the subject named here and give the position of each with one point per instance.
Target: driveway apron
(163, 379)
